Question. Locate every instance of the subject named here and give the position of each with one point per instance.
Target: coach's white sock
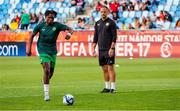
(46, 90)
(107, 85)
(113, 85)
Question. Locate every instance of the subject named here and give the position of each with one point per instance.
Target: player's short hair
(50, 12)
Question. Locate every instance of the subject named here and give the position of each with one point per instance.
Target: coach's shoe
(105, 90)
(46, 98)
(112, 91)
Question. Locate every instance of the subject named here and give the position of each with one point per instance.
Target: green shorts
(48, 58)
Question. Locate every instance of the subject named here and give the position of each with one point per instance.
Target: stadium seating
(171, 6)
(10, 8)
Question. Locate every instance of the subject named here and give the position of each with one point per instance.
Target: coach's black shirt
(105, 33)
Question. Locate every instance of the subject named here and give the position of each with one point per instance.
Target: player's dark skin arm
(70, 32)
(28, 51)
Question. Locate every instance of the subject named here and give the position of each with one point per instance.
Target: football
(68, 99)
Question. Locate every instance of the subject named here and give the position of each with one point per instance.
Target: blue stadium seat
(25, 1)
(8, 6)
(27, 6)
(167, 7)
(169, 2)
(20, 10)
(43, 10)
(178, 7)
(132, 14)
(119, 25)
(3, 21)
(175, 19)
(64, 16)
(1, 16)
(128, 20)
(95, 14)
(52, 4)
(15, 10)
(19, 5)
(22, 1)
(173, 8)
(67, 1)
(6, 1)
(49, 8)
(167, 24)
(56, 9)
(172, 13)
(32, 10)
(61, 10)
(145, 13)
(153, 8)
(172, 25)
(68, 4)
(58, 4)
(66, 10)
(138, 14)
(87, 20)
(97, 18)
(162, 2)
(3, 6)
(46, 5)
(64, 4)
(35, 5)
(160, 7)
(59, 15)
(16, 1)
(177, 13)
(119, 14)
(122, 20)
(176, 2)
(8, 21)
(73, 11)
(6, 16)
(90, 1)
(125, 14)
(5, 11)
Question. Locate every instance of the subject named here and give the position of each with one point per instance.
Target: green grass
(142, 84)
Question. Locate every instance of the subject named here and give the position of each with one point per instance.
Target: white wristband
(69, 34)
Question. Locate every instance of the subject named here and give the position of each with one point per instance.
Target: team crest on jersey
(98, 24)
(54, 28)
(43, 29)
(107, 24)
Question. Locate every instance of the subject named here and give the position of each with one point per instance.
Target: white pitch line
(19, 96)
(118, 92)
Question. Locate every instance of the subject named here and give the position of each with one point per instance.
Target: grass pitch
(142, 84)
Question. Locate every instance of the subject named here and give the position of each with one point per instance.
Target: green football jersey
(47, 37)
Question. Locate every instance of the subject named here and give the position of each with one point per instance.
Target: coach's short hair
(105, 7)
(50, 12)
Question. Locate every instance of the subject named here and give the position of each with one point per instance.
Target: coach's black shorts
(104, 58)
